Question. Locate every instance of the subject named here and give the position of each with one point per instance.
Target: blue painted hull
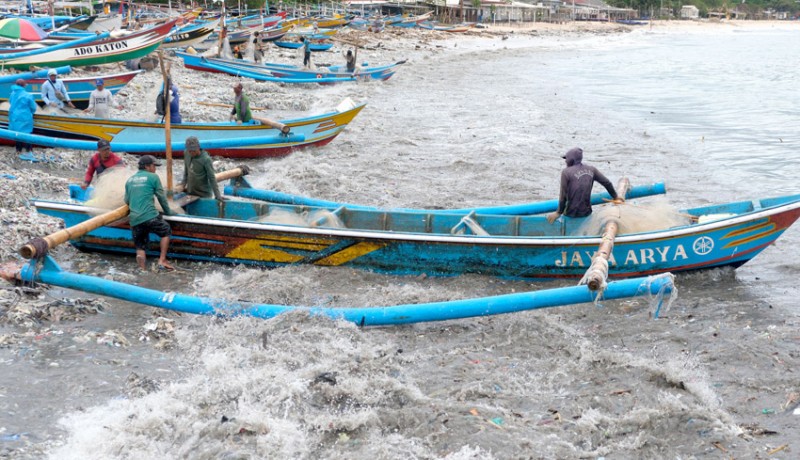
(425, 243)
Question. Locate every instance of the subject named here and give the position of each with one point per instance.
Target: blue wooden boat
(315, 130)
(297, 45)
(240, 68)
(294, 73)
(48, 272)
(79, 87)
(433, 243)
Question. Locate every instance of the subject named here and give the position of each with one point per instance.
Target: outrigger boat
(287, 72)
(240, 68)
(316, 130)
(435, 243)
(49, 272)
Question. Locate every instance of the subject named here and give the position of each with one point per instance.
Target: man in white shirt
(100, 100)
(54, 92)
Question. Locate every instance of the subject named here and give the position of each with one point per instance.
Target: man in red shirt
(100, 161)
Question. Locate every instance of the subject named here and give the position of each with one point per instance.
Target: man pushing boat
(198, 172)
(140, 190)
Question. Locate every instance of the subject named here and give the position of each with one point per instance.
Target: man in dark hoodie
(577, 180)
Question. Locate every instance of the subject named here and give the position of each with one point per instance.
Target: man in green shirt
(198, 171)
(241, 111)
(241, 106)
(144, 218)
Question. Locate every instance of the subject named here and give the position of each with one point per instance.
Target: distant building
(689, 12)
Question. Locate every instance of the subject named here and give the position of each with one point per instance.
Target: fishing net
(634, 218)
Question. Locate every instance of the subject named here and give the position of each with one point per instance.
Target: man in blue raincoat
(20, 114)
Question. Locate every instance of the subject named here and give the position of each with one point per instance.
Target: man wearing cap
(20, 113)
(577, 179)
(100, 161)
(100, 100)
(198, 171)
(54, 92)
(140, 190)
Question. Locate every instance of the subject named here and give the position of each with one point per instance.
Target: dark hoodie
(577, 180)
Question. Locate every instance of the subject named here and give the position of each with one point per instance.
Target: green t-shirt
(198, 175)
(139, 192)
(241, 109)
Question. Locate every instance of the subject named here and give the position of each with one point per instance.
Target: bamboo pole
(597, 273)
(167, 131)
(38, 247)
(226, 106)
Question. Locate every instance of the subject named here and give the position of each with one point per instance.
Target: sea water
(714, 115)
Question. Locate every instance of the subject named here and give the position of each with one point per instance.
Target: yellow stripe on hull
(352, 252)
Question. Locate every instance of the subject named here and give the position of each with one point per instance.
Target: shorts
(141, 233)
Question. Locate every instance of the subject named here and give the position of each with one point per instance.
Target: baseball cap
(148, 160)
(103, 144)
(99, 82)
(52, 72)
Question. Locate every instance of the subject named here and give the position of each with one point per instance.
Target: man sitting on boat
(577, 180)
(54, 91)
(198, 171)
(140, 190)
(101, 161)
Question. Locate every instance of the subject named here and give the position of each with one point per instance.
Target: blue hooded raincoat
(20, 114)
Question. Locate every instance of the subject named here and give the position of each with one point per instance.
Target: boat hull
(79, 89)
(421, 243)
(101, 52)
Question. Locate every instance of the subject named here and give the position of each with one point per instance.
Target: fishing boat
(79, 88)
(408, 21)
(240, 68)
(433, 243)
(459, 28)
(189, 35)
(88, 51)
(49, 272)
(316, 130)
(315, 46)
(282, 72)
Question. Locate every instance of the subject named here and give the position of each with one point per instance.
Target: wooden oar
(38, 247)
(597, 273)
